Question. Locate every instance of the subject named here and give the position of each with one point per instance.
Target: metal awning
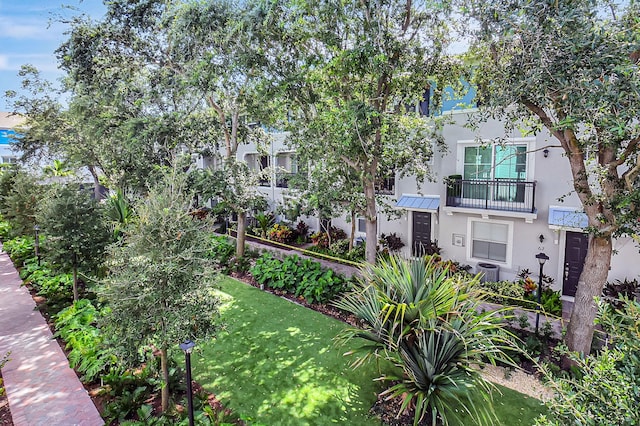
(567, 217)
(428, 203)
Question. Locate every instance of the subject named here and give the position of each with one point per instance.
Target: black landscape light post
(36, 229)
(187, 347)
(542, 258)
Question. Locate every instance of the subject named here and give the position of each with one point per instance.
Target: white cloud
(44, 62)
(31, 29)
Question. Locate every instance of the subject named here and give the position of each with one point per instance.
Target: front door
(575, 252)
(421, 232)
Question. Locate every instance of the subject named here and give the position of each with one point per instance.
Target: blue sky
(30, 33)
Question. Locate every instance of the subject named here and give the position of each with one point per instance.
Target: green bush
(281, 233)
(76, 326)
(5, 230)
(19, 249)
(428, 325)
(607, 389)
(221, 250)
(302, 277)
(511, 293)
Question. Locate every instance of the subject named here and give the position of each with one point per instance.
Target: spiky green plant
(430, 327)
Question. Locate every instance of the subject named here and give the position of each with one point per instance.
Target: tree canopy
(571, 68)
(358, 67)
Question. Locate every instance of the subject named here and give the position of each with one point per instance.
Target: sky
(30, 32)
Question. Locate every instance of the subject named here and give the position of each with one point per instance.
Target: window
(490, 240)
(362, 225)
(9, 159)
(495, 162)
(386, 183)
(495, 172)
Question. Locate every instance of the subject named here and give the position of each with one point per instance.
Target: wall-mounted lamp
(541, 238)
(545, 152)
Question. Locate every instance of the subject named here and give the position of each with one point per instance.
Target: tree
(77, 235)
(160, 285)
(425, 321)
(220, 47)
(20, 195)
(571, 67)
(358, 66)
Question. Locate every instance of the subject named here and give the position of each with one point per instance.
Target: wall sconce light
(541, 238)
(545, 152)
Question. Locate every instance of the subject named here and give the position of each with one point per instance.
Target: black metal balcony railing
(499, 194)
(283, 178)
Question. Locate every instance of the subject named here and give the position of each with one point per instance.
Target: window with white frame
(495, 162)
(490, 240)
(362, 225)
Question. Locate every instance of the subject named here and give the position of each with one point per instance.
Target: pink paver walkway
(41, 388)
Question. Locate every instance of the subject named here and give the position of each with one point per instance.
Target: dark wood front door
(421, 232)
(575, 252)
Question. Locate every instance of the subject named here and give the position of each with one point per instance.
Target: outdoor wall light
(187, 347)
(545, 152)
(541, 238)
(542, 258)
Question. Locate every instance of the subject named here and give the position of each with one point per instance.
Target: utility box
(489, 271)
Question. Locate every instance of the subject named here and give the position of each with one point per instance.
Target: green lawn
(276, 363)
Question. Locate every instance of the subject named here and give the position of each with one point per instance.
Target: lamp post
(187, 347)
(36, 230)
(542, 258)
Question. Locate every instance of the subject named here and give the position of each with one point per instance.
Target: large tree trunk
(371, 215)
(592, 280)
(240, 236)
(96, 183)
(164, 367)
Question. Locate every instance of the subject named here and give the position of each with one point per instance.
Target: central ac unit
(489, 271)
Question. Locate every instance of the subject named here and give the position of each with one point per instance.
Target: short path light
(36, 230)
(542, 258)
(187, 347)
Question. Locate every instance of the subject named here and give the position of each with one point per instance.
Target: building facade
(493, 207)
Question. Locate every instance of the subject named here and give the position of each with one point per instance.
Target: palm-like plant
(428, 324)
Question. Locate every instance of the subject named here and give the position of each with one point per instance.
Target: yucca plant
(429, 325)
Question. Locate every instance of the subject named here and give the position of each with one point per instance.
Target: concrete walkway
(41, 388)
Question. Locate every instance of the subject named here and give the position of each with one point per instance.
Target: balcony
(283, 178)
(500, 194)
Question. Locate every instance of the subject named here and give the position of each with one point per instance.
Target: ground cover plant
(287, 369)
(299, 276)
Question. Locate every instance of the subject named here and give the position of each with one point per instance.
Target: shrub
(607, 389)
(19, 249)
(511, 293)
(20, 195)
(390, 243)
(5, 230)
(321, 238)
(340, 248)
(302, 229)
(264, 222)
(427, 324)
(614, 292)
(302, 277)
(76, 326)
(221, 251)
(281, 233)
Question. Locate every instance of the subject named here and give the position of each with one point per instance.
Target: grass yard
(276, 363)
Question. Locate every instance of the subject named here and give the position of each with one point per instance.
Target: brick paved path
(41, 388)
